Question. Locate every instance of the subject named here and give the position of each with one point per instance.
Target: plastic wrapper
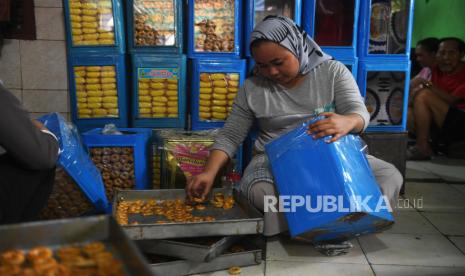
(330, 189)
(154, 23)
(217, 92)
(214, 25)
(76, 165)
(92, 22)
(183, 154)
(96, 92)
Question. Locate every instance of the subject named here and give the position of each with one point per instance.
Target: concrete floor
(426, 240)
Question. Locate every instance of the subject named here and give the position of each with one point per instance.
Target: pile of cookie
(158, 98)
(89, 259)
(178, 210)
(154, 23)
(116, 164)
(96, 91)
(92, 22)
(217, 92)
(214, 25)
(67, 199)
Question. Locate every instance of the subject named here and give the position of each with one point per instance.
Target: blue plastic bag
(75, 161)
(322, 176)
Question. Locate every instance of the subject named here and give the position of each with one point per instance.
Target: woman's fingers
(335, 138)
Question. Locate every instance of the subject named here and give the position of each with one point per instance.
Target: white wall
(35, 71)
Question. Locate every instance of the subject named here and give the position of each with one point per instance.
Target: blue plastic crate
(97, 87)
(210, 104)
(129, 152)
(345, 13)
(213, 17)
(256, 10)
(94, 26)
(390, 34)
(159, 91)
(144, 18)
(385, 87)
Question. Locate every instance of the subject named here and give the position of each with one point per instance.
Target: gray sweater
(19, 138)
(330, 87)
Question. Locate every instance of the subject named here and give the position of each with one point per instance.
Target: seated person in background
(425, 55)
(28, 154)
(441, 101)
(295, 81)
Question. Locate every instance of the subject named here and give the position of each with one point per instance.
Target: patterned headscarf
(286, 33)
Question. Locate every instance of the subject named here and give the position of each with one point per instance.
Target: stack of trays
(181, 239)
(67, 235)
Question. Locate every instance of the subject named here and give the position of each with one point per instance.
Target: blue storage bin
(333, 25)
(385, 87)
(213, 86)
(123, 159)
(257, 10)
(97, 87)
(214, 29)
(94, 26)
(77, 164)
(309, 171)
(155, 26)
(159, 93)
(183, 154)
(385, 29)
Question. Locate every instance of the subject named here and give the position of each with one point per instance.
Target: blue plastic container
(308, 171)
(159, 91)
(214, 29)
(213, 86)
(134, 143)
(75, 161)
(385, 29)
(385, 87)
(97, 87)
(155, 26)
(94, 26)
(332, 25)
(256, 11)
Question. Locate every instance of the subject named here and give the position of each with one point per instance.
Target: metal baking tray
(203, 249)
(169, 266)
(57, 233)
(242, 219)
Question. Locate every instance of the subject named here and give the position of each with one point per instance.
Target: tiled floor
(426, 240)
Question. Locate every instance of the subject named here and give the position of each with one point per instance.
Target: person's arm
(200, 185)
(227, 141)
(21, 138)
(351, 113)
(449, 98)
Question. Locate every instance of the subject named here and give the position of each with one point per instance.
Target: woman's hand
(200, 185)
(336, 125)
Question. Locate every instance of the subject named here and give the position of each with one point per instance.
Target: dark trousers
(23, 192)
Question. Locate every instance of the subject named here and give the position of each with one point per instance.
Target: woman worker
(294, 81)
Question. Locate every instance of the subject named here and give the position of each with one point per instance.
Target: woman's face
(424, 57)
(276, 63)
